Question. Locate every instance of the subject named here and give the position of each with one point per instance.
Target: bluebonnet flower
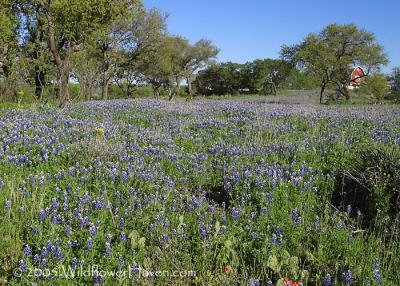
(347, 277)
(68, 230)
(349, 209)
(316, 222)
(42, 215)
(74, 261)
(107, 249)
(36, 259)
(37, 272)
(44, 263)
(134, 269)
(377, 276)
(89, 244)
(27, 251)
(254, 282)
(92, 231)
(8, 204)
(98, 279)
(296, 216)
(22, 265)
(328, 280)
(121, 260)
(235, 213)
(253, 235)
(274, 239)
(123, 236)
(1, 184)
(377, 264)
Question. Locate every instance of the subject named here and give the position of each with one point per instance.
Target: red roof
(357, 76)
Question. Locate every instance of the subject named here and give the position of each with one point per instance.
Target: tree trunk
(273, 88)
(104, 90)
(346, 92)
(62, 60)
(130, 90)
(156, 91)
(189, 83)
(39, 84)
(321, 94)
(64, 91)
(89, 91)
(171, 94)
(342, 87)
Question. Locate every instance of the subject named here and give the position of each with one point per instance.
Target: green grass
(158, 172)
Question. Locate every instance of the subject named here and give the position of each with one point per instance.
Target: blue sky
(246, 30)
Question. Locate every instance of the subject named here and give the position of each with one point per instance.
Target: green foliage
(259, 76)
(300, 80)
(375, 85)
(370, 183)
(331, 54)
(394, 79)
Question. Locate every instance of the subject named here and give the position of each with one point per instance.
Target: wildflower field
(146, 192)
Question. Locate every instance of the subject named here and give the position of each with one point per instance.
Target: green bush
(370, 184)
(376, 85)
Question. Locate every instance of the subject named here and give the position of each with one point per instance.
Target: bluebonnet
(296, 216)
(107, 249)
(254, 282)
(27, 251)
(347, 277)
(253, 235)
(377, 276)
(22, 265)
(328, 280)
(37, 272)
(235, 213)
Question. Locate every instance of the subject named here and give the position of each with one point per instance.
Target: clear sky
(246, 30)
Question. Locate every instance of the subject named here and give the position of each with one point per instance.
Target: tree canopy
(331, 54)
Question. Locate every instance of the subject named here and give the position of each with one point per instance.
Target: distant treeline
(258, 77)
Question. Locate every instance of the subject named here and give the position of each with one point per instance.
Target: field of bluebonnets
(202, 193)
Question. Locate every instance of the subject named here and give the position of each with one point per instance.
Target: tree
(35, 54)
(300, 80)
(331, 54)
(197, 57)
(85, 68)
(395, 80)
(268, 74)
(157, 66)
(175, 49)
(69, 23)
(8, 46)
(125, 40)
(222, 79)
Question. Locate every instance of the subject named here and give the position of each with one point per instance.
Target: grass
(209, 192)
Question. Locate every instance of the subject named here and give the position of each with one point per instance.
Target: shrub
(376, 85)
(370, 184)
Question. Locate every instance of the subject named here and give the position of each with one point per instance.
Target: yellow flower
(100, 130)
